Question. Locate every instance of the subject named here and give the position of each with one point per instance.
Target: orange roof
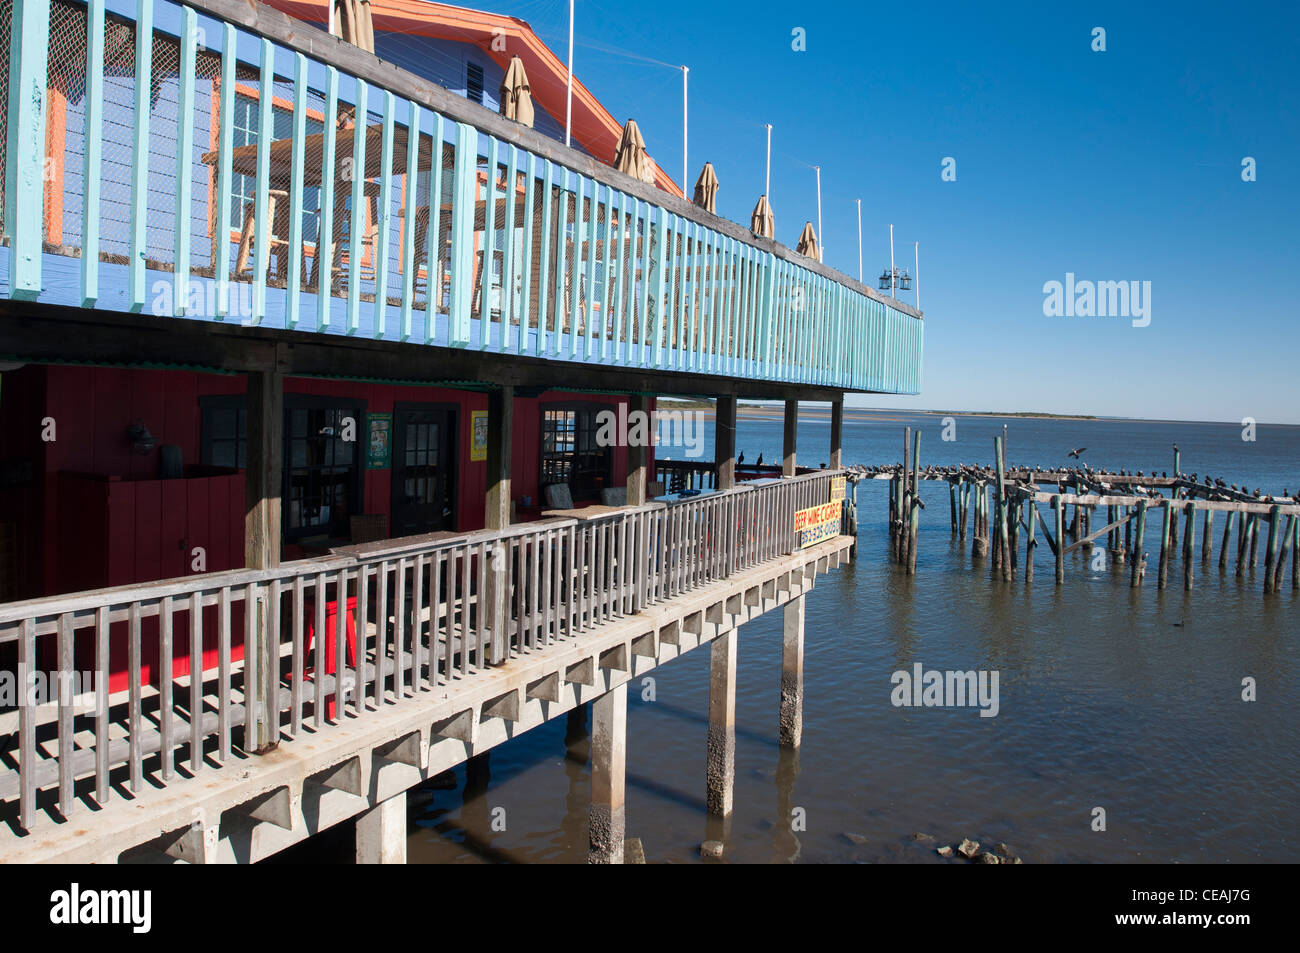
(593, 126)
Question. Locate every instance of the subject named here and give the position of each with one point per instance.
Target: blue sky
(1116, 165)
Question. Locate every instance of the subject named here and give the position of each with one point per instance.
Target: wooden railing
(423, 617)
(319, 189)
(686, 475)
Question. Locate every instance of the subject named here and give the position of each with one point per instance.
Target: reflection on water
(1110, 697)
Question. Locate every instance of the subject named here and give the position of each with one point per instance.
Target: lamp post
(859, 240)
(568, 100)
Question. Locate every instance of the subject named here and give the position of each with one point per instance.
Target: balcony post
(790, 437)
(837, 433)
(381, 832)
(791, 718)
(724, 441)
(638, 456)
(606, 825)
(262, 489)
(500, 428)
(721, 762)
(24, 156)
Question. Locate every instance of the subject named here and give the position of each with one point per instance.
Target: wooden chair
(338, 252)
(277, 212)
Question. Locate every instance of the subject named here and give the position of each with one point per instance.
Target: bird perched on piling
(760, 461)
(741, 458)
(1075, 453)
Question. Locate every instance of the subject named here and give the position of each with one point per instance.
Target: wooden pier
(998, 505)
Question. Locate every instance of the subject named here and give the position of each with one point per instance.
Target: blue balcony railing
(219, 162)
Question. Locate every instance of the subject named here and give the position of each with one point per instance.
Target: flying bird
(1075, 453)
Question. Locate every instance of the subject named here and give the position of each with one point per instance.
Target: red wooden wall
(150, 526)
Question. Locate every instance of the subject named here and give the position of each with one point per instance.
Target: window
(243, 188)
(321, 472)
(223, 439)
(474, 82)
(570, 452)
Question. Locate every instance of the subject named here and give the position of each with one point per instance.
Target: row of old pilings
(998, 510)
(905, 504)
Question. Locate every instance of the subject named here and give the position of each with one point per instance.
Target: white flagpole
(893, 273)
(821, 239)
(917, 279)
(860, 240)
(767, 180)
(686, 168)
(568, 103)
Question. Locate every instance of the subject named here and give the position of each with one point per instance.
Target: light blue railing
(161, 158)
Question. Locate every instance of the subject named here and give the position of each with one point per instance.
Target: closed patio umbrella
(353, 23)
(762, 223)
(808, 243)
(516, 96)
(706, 189)
(630, 156)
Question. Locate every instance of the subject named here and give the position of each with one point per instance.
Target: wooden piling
(1254, 541)
(952, 504)
(1162, 574)
(1031, 517)
(1227, 539)
(1270, 548)
(1004, 560)
(964, 495)
(1059, 509)
(1189, 545)
(1287, 532)
(1139, 537)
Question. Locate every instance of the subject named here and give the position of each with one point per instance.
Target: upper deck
(188, 185)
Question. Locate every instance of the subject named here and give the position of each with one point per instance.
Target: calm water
(1105, 701)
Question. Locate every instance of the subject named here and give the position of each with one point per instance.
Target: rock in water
(1003, 851)
(944, 851)
(633, 852)
(923, 838)
(985, 857)
(711, 849)
(967, 848)
(856, 839)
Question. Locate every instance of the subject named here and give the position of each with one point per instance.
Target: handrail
(594, 266)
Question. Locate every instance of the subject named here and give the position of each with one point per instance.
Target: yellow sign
(478, 435)
(837, 489)
(817, 524)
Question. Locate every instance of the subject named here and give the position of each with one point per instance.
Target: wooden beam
(724, 441)
(790, 433)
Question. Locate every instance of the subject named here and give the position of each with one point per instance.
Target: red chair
(331, 626)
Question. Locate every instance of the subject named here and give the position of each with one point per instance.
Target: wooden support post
(1270, 549)
(720, 769)
(724, 441)
(1243, 541)
(952, 504)
(262, 489)
(789, 438)
(1139, 540)
(1189, 545)
(837, 433)
(1295, 554)
(914, 517)
(1004, 560)
(1207, 543)
(606, 824)
(1227, 538)
(501, 404)
(638, 457)
(1058, 509)
(791, 715)
(1285, 549)
(1254, 540)
(980, 543)
(1162, 576)
(1031, 519)
(963, 497)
